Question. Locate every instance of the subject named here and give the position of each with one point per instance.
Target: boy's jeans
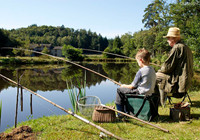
(120, 96)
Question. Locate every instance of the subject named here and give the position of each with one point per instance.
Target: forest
(158, 16)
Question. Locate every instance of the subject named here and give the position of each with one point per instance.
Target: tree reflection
(53, 77)
(121, 72)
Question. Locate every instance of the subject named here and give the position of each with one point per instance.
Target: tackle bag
(142, 107)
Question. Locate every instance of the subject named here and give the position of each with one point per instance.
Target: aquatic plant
(75, 93)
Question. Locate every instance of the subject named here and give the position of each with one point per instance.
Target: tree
(156, 15)
(58, 36)
(117, 46)
(45, 50)
(7, 41)
(27, 46)
(183, 11)
(186, 16)
(160, 44)
(128, 45)
(145, 39)
(72, 53)
(3, 39)
(114, 47)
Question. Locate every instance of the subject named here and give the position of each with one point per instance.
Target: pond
(50, 81)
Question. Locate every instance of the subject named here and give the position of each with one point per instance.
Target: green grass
(29, 60)
(68, 127)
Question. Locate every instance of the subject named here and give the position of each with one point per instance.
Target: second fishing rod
(60, 58)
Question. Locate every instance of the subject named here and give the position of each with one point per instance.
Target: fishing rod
(67, 111)
(68, 62)
(123, 56)
(130, 116)
(95, 73)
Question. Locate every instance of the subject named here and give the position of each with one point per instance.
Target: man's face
(171, 41)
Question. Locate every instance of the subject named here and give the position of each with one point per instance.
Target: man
(177, 71)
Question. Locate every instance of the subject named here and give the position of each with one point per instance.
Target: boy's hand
(123, 85)
(127, 86)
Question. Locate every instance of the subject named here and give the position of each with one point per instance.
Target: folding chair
(143, 107)
(178, 95)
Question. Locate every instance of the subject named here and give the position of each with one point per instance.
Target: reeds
(75, 93)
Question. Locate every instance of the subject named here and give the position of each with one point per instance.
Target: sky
(110, 18)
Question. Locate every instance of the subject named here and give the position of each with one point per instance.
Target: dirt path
(20, 133)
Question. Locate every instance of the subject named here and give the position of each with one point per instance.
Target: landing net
(87, 104)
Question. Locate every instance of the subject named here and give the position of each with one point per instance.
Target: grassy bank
(100, 58)
(50, 60)
(68, 127)
(29, 60)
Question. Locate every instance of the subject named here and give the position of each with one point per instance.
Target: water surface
(50, 82)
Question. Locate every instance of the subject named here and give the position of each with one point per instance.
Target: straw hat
(173, 32)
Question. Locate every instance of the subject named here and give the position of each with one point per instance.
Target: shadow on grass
(80, 130)
(168, 119)
(195, 116)
(163, 119)
(195, 104)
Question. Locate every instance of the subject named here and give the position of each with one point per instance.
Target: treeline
(56, 36)
(6, 41)
(159, 16)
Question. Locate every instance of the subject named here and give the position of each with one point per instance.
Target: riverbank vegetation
(50, 60)
(29, 60)
(68, 127)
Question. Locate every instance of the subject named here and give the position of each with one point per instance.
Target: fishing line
(116, 55)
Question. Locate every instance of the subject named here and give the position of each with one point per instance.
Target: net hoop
(87, 104)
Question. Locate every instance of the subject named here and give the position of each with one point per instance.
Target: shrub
(72, 53)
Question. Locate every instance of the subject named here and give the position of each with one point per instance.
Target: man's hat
(173, 32)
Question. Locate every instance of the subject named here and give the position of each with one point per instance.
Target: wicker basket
(102, 114)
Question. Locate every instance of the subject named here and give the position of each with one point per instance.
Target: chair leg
(184, 98)
(170, 100)
(189, 98)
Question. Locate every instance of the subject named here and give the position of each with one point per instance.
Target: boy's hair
(144, 55)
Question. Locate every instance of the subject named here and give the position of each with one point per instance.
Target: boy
(143, 83)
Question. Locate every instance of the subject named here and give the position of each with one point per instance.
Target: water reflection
(16, 106)
(50, 82)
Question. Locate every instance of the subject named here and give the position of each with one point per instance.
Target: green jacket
(179, 66)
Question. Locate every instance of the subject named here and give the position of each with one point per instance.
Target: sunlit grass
(68, 127)
(29, 60)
